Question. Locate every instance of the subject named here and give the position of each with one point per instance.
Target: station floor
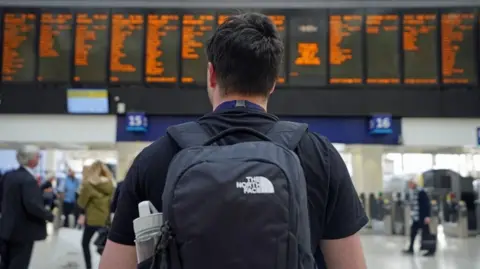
(63, 251)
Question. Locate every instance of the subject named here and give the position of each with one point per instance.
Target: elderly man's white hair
(26, 154)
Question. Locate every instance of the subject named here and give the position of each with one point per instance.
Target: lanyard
(238, 103)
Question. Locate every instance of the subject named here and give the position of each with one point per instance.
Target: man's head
(244, 56)
(71, 173)
(412, 184)
(28, 156)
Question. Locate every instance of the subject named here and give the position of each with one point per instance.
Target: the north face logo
(256, 184)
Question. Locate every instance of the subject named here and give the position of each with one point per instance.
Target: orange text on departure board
(307, 54)
(87, 29)
(341, 27)
(16, 29)
(279, 21)
(123, 26)
(375, 25)
(159, 27)
(194, 27)
(454, 25)
(415, 25)
(51, 26)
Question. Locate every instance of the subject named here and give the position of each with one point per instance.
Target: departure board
(307, 51)
(55, 47)
(91, 47)
(420, 48)
(346, 49)
(280, 23)
(163, 33)
(126, 47)
(19, 55)
(196, 30)
(458, 49)
(382, 41)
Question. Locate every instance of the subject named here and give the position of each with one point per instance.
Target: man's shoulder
(315, 142)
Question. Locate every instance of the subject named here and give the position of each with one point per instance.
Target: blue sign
(380, 124)
(348, 130)
(478, 136)
(136, 122)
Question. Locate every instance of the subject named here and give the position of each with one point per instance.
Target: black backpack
(241, 206)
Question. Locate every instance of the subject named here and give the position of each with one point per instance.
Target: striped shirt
(415, 207)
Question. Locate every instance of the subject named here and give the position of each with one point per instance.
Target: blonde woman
(94, 198)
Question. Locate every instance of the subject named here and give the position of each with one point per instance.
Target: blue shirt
(70, 187)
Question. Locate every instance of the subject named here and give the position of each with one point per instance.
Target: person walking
(94, 199)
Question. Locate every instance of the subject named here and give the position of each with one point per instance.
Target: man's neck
(261, 101)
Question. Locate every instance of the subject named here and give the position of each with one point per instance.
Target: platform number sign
(380, 124)
(137, 122)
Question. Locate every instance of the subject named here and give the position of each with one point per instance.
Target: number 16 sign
(380, 124)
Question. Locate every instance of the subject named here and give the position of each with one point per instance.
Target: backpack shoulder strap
(189, 134)
(287, 133)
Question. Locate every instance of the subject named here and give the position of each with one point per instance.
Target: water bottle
(147, 229)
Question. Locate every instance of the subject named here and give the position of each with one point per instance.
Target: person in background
(23, 213)
(420, 214)
(49, 194)
(94, 198)
(69, 190)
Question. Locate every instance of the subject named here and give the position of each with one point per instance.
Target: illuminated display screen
(161, 63)
(279, 21)
(126, 47)
(19, 55)
(308, 53)
(87, 101)
(197, 28)
(346, 49)
(55, 47)
(458, 62)
(91, 47)
(382, 43)
(420, 48)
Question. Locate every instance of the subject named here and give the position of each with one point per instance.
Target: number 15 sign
(136, 122)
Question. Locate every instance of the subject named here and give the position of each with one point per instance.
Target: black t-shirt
(335, 210)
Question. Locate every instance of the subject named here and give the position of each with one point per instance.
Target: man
(68, 189)
(420, 214)
(244, 57)
(23, 213)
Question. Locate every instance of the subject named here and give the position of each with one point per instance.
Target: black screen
(382, 34)
(308, 53)
(55, 47)
(19, 55)
(126, 47)
(196, 29)
(346, 49)
(163, 33)
(458, 61)
(91, 46)
(420, 48)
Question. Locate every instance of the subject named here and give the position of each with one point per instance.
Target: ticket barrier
(387, 214)
(460, 227)
(398, 214)
(434, 216)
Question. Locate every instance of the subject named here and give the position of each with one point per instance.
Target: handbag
(429, 240)
(101, 239)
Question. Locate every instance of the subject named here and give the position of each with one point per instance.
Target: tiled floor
(64, 251)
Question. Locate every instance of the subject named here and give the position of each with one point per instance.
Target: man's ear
(212, 76)
(273, 88)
